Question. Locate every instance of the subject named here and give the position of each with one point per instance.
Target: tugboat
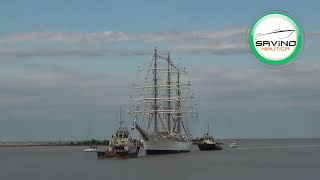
(121, 145)
(208, 143)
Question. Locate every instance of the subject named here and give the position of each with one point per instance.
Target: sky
(67, 66)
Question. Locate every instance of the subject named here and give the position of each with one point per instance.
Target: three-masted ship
(162, 107)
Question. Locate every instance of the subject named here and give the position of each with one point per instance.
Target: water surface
(254, 159)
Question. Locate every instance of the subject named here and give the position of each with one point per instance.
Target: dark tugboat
(208, 143)
(121, 145)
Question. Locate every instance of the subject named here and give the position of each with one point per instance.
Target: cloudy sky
(67, 66)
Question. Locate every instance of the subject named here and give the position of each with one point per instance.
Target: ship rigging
(162, 106)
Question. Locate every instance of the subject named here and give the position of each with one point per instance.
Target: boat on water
(208, 143)
(91, 149)
(121, 145)
(233, 144)
(162, 106)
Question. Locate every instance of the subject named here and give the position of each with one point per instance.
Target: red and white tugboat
(121, 145)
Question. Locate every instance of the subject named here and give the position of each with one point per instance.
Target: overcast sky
(67, 66)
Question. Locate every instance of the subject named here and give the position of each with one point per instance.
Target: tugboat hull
(208, 147)
(101, 154)
(117, 154)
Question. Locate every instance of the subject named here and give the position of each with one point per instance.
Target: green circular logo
(275, 38)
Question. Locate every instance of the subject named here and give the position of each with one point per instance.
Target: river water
(285, 159)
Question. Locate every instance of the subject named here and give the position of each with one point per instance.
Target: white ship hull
(165, 145)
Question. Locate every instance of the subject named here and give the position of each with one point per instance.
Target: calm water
(253, 160)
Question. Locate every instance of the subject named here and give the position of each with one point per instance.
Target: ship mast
(178, 102)
(155, 93)
(169, 91)
(165, 100)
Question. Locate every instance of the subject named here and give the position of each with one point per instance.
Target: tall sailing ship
(162, 107)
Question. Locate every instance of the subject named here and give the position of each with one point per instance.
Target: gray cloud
(224, 41)
(69, 37)
(111, 37)
(92, 52)
(63, 51)
(218, 48)
(52, 52)
(244, 89)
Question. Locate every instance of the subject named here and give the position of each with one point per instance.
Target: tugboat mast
(120, 117)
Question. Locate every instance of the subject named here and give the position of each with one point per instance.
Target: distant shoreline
(54, 143)
(36, 145)
(106, 142)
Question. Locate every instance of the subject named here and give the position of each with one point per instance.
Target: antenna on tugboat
(120, 116)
